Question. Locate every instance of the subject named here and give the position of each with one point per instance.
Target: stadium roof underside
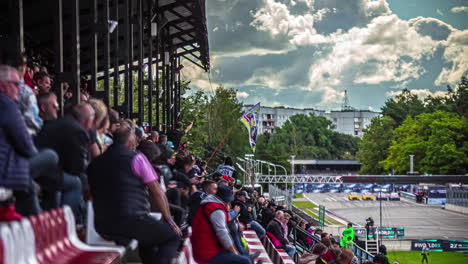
(103, 39)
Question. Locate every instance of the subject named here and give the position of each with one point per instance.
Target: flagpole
(220, 143)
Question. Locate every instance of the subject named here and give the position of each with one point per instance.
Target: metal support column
(75, 49)
(163, 84)
(58, 41)
(115, 49)
(141, 87)
(130, 58)
(16, 27)
(126, 50)
(158, 56)
(150, 69)
(106, 65)
(94, 43)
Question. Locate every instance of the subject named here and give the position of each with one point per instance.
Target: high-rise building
(349, 121)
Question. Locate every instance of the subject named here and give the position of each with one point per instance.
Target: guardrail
(408, 195)
(361, 255)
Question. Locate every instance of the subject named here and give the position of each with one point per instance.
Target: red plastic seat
(53, 244)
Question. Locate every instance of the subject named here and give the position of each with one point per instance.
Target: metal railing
(280, 196)
(361, 254)
(457, 197)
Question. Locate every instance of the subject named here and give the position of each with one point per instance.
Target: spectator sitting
(245, 216)
(16, 146)
(184, 164)
(122, 211)
(165, 163)
(154, 137)
(100, 110)
(268, 213)
(275, 228)
(27, 100)
(211, 241)
(208, 187)
(345, 257)
(284, 225)
(43, 82)
(48, 106)
(311, 258)
(68, 137)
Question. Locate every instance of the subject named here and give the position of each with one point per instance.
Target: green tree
(213, 118)
(307, 137)
(403, 105)
(438, 140)
(373, 148)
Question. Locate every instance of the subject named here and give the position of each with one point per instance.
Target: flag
(250, 120)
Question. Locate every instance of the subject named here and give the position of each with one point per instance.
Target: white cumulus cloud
(242, 94)
(421, 93)
(456, 53)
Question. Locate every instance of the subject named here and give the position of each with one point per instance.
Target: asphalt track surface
(419, 220)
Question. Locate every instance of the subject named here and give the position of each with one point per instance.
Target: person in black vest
(245, 216)
(118, 181)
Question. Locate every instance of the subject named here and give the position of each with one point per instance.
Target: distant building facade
(350, 122)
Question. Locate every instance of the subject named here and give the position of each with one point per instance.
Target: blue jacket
(16, 146)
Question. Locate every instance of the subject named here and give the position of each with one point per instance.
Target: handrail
(361, 254)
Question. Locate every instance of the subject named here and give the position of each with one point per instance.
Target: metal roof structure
(325, 162)
(103, 39)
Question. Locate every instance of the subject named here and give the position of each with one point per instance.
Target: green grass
(307, 207)
(304, 205)
(298, 195)
(414, 257)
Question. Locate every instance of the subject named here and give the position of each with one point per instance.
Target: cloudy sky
(305, 53)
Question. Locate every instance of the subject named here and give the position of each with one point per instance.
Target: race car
(394, 196)
(382, 196)
(354, 196)
(367, 196)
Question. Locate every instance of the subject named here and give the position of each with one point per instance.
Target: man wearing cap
(245, 216)
(211, 241)
(268, 213)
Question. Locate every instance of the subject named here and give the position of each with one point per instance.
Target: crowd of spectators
(93, 153)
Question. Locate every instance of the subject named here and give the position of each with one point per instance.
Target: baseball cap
(225, 193)
(243, 193)
(227, 178)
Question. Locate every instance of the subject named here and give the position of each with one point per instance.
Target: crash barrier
(51, 237)
(361, 255)
(304, 215)
(440, 245)
(408, 195)
(458, 197)
(278, 256)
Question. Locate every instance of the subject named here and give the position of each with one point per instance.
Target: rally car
(368, 196)
(382, 196)
(394, 196)
(354, 196)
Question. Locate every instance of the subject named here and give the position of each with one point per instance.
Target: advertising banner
(440, 245)
(384, 232)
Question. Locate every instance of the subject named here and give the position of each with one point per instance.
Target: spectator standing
(227, 169)
(122, 211)
(211, 241)
(348, 237)
(176, 135)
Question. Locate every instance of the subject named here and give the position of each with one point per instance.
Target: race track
(419, 221)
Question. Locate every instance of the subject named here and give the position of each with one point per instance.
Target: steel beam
(16, 39)
(93, 21)
(150, 69)
(106, 64)
(115, 48)
(141, 88)
(58, 40)
(75, 49)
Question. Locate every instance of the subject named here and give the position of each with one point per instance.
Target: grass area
(414, 257)
(308, 208)
(304, 205)
(298, 195)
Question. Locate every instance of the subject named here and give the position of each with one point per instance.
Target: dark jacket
(70, 140)
(245, 216)
(16, 146)
(276, 229)
(194, 204)
(267, 216)
(118, 194)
